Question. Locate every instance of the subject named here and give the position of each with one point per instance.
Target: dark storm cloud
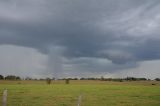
(123, 31)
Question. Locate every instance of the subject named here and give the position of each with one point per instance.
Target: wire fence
(5, 93)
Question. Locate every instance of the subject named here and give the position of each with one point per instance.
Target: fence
(5, 92)
(4, 98)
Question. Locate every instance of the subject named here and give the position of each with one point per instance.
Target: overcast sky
(80, 38)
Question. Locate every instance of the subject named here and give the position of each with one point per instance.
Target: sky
(80, 38)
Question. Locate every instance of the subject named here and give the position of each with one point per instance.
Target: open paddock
(94, 93)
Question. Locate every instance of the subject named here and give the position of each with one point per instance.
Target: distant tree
(71, 78)
(149, 79)
(130, 79)
(28, 78)
(102, 78)
(91, 78)
(67, 81)
(12, 77)
(75, 79)
(18, 78)
(82, 78)
(141, 79)
(41, 79)
(48, 80)
(1, 77)
(157, 79)
(53, 78)
(35, 79)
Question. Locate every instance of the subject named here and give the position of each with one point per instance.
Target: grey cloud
(123, 32)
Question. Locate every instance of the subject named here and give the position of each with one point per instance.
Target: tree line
(10, 77)
(117, 79)
(14, 77)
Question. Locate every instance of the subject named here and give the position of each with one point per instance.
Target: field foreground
(94, 93)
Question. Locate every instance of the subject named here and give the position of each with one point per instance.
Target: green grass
(94, 93)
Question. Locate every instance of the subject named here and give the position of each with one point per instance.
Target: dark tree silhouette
(1, 77)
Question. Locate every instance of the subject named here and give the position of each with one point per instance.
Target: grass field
(94, 93)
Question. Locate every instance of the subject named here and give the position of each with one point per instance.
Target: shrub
(67, 81)
(48, 80)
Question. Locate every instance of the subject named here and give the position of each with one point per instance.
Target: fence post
(79, 100)
(4, 98)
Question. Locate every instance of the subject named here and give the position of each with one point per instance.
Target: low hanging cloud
(76, 33)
